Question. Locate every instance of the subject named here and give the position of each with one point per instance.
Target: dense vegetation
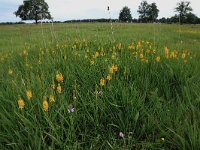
(90, 86)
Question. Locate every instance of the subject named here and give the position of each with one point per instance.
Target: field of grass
(97, 86)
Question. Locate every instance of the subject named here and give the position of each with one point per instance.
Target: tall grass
(150, 102)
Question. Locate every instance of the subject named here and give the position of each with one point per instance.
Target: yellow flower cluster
(21, 103)
(29, 94)
(45, 104)
(59, 77)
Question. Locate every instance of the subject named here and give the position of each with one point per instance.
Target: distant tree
(148, 12)
(183, 9)
(125, 15)
(191, 18)
(143, 11)
(152, 12)
(174, 19)
(33, 10)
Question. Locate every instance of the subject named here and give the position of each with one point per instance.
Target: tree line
(149, 13)
(38, 9)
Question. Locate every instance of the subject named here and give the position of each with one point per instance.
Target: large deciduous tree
(183, 9)
(33, 10)
(147, 12)
(125, 15)
(152, 12)
(143, 11)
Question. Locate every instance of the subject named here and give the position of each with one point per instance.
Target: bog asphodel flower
(92, 62)
(183, 55)
(21, 103)
(10, 72)
(29, 94)
(45, 104)
(102, 82)
(59, 89)
(52, 98)
(108, 77)
(158, 58)
(115, 68)
(166, 52)
(59, 77)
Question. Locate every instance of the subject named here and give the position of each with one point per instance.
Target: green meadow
(100, 86)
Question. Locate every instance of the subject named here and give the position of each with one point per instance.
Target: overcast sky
(62, 10)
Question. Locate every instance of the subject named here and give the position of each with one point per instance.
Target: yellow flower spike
(96, 54)
(59, 89)
(157, 58)
(115, 68)
(86, 56)
(109, 77)
(45, 104)
(25, 53)
(59, 77)
(29, 94)
(21, 103)
(183, 55)
(102, 82)
(92, 62)
(10, 72)
(166, 52)
(141, 56)
(113, 55)
(52, 98)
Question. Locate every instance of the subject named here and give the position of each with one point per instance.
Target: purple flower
(70, 109)
(121, 134)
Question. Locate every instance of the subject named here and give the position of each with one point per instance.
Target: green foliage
(125, 15)
(143, 11)
(153, 12)
(156, 105)
(183, 9)
(33, 10)
(148, 12)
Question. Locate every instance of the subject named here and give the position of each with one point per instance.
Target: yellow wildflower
(92, 62)
(166, 52)
(96, 54)
(59, 89)
(51, 98)
(173, 55)
(59, 77)
(115, 68)
(111, 71)
(114, 55)
(158, 58)
(21, 103)
(141, 56)
(45, 104)
(25, 53)
(183, 55)
(108, 77)
(10, 72)
(29, 94)
(102, 82)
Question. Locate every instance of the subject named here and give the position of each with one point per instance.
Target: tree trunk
(36, 21)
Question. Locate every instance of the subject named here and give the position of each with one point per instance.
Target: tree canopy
(125, 15)
(33, 10)
(183, 9)
(148, 12)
